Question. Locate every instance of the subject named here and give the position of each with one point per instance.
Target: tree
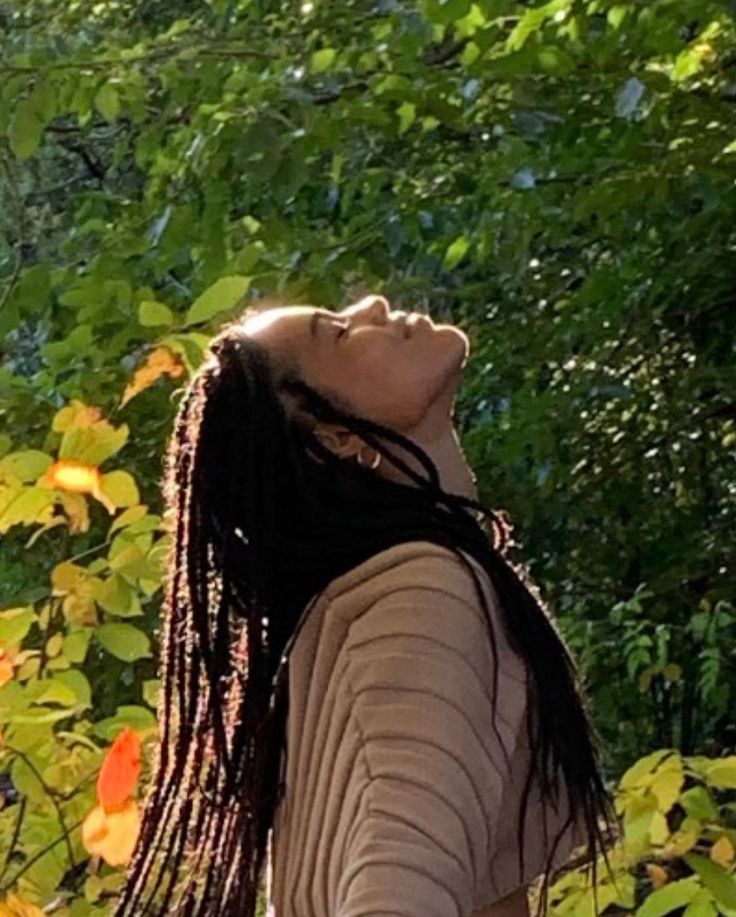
(557, 178)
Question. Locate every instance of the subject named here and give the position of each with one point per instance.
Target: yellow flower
(112, 835)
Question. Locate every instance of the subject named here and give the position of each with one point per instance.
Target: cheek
(395, 388)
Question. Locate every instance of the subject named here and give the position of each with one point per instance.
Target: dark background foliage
(558, 179)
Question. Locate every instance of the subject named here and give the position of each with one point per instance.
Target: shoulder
(412, 565)
(415, 588)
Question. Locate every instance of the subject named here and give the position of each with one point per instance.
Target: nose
(371, 309)
(378, 306)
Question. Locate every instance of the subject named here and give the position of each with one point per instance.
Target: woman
(329, 561)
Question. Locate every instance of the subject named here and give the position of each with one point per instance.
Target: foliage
(556, 178)
(678, 847)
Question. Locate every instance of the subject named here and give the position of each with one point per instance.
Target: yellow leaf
(71, 581)
(658, 829)
(14, 906)
(120, 488)
(680, 842)
(645, 678)
(131, 515)
(25, 506)
(722, 852)
(67, 577)
(88, 438)
(721, 773)
(29, 668)
(160, 361)
(53, 645)
(667, 783)
(673, 671)
(75, 507)
(80, 608)
(26, 466)
(75, 414)
(641, 771)
(640, 810)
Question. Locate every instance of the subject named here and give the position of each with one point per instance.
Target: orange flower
(111, 829)
(77, 477)
(6, 666)
(69, 474)
(120, 770)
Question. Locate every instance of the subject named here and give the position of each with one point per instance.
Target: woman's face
(393, 373)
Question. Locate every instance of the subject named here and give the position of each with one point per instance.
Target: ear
(340, 440)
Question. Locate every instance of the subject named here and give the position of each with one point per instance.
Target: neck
(443, 447)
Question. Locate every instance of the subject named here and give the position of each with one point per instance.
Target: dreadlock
(263, 517)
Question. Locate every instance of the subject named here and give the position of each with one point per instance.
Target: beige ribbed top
(399, 799)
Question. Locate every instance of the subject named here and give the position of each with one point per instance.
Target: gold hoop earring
(374, 464)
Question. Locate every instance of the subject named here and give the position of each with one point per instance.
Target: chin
(456, 340)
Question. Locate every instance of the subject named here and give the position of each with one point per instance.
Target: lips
(415, 318)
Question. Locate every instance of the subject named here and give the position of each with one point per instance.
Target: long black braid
(263, 517)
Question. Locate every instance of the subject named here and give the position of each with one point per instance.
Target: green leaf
(444, 12)
(15, 624)
(54, 691)
(455, 253)
(38, 717)
(107, 101)
(26, 129)
(616, 15)
(668, 897)
(124, 641)
(190, 347)
(13, 696)
(471, 53)
(532, 20)
(393, 86)
(150, 689)
(223, 295)
(322, 60)
(715, 878)
(698, 803)
(117, 597)
(139, 718)
(76, 643)
(701, 906)
(77, 682)
(152, 313)
(407, 113)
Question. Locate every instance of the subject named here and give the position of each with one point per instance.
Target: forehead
(278, 316)
(280, 326)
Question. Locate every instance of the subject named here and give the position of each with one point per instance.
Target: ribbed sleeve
(431, 770)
